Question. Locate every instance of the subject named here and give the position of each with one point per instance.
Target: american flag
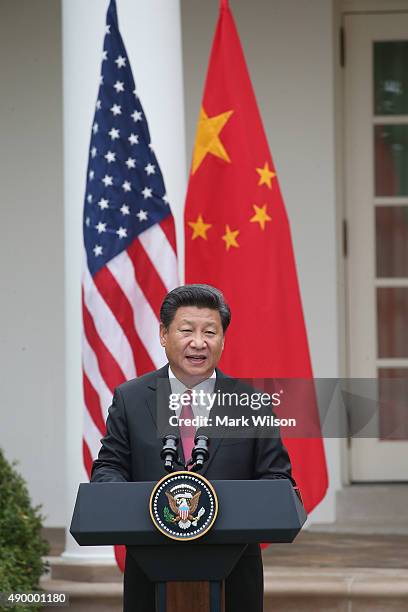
(130, 246)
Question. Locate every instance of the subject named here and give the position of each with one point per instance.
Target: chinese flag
(237, 238)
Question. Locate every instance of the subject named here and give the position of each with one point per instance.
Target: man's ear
(163, 334)
(223, 342)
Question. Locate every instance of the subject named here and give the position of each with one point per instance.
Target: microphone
(169, 452)
(200, 452)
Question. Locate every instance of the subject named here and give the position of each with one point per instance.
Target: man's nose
(198, 341)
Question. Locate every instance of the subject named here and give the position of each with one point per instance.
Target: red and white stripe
(120, 308)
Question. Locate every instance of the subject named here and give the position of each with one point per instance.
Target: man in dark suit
(193, 322)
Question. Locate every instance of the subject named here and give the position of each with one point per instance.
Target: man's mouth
(196, 359)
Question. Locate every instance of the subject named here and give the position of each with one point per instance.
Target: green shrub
(21, 544)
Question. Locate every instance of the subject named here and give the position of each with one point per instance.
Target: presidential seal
(183, 505)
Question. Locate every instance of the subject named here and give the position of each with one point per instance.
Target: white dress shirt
(200, 408)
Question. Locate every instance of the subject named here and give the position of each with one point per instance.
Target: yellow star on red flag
(266, 175)
(207, 138)
(261, 216)
(200, 228)
(230, 238)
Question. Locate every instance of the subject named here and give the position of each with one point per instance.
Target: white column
(152, 35)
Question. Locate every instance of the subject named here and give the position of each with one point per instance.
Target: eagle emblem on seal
(184, 504)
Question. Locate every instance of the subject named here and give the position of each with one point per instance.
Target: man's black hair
(202, 296)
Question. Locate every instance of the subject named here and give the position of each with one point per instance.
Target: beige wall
(31, 248)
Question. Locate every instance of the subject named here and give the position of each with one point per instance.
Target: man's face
(193, 343)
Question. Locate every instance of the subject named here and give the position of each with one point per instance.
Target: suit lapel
(158, 404)
(155, 389)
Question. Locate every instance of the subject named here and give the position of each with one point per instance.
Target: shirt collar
(178, 387)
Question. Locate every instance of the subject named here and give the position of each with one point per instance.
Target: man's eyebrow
(188, 322)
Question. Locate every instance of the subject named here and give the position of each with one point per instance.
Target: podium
(250, 511)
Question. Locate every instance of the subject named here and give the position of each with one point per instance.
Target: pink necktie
(187, 432)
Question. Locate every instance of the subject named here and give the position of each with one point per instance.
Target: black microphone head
(200, 452)
(169, 451)
(201, 438)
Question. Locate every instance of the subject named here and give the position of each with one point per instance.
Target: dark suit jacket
(131, 452)
(131, 448)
